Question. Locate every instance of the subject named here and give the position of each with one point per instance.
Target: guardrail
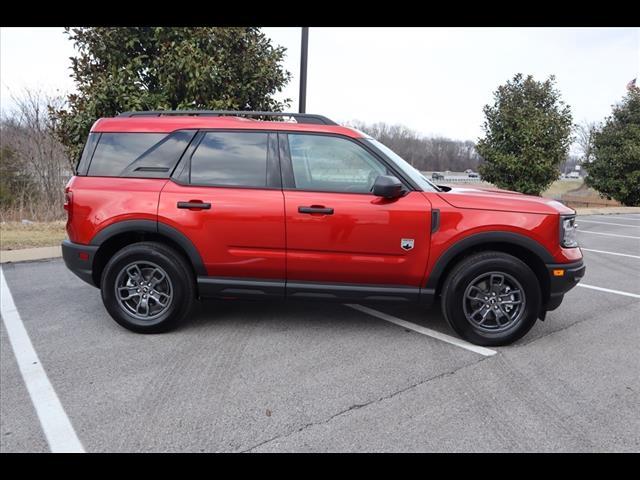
(461, 180)
(579, 201)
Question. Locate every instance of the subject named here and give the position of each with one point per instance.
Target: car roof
(168, 124)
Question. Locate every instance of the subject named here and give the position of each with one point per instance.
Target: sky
(433, 80)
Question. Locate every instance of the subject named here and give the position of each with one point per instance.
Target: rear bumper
(79, 259)
(559, 284)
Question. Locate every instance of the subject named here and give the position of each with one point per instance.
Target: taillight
(68, 203)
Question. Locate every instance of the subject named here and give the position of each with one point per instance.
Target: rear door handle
(316, 209)
(194, 205)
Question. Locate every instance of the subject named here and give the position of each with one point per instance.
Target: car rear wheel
(491, 298)
(147, 287)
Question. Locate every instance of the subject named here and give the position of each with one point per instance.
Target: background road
(243, 376)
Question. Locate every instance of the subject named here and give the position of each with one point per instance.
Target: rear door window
(231, 159)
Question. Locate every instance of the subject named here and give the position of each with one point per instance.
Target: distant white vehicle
(573, 175)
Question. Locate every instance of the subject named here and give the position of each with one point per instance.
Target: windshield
(405, 166)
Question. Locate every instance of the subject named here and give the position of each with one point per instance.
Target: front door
(339, 232)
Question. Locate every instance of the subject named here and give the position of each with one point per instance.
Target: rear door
(226, 197)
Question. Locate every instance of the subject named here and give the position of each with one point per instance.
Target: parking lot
(289, 376)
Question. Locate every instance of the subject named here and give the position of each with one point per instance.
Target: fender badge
(406, 244)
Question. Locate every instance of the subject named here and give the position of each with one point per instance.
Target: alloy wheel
(494, 302)
(144, 290)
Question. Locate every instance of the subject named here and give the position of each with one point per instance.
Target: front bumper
(562, 278)
(79, 259)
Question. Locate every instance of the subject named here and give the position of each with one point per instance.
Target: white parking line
(487, 352)
(57, 427)
(609, 253)
(608, 234)
(608, 290)
(608, 223)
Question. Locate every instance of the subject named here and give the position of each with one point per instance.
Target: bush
(615, 171)
(527, 135)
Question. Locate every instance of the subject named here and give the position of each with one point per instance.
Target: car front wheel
(491, 298)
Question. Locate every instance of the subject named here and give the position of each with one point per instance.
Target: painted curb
(29, 254)
(607, 210)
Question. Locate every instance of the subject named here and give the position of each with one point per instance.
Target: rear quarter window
(116, 151)
(159, 160)
(87, 153)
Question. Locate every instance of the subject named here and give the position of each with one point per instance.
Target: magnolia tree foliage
(157, 68)
(615, 170)
(527, 135)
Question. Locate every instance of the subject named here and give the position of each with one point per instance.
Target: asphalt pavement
(310, 376)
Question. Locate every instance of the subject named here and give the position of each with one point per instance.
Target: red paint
(360, 242)
(502, 201)
(101, 201)
(259, 233)
(172, 123)
(241, 235)
(483, 216)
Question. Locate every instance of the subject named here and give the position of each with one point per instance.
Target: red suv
(169, 207)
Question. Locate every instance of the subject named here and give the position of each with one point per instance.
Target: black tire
(476, 276)
(176, 290)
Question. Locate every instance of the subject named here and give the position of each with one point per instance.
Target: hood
(503, 200)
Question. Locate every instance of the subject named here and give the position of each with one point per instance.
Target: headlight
(568, 232)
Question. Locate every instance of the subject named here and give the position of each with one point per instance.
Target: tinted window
(332, 164)
(231, 158)
(115, 151)
(159, 160)
(89, 147)
(405, 166)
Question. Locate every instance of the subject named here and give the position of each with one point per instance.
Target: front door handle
(194, 205)
(316, 209)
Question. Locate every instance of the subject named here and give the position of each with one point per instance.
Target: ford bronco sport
(169, 207)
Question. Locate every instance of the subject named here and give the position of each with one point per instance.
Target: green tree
(163, 68)
(615, 170)
(527, 135)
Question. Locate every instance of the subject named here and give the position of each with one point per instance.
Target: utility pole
(304, 50)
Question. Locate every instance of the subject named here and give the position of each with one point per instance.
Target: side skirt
(244, 288)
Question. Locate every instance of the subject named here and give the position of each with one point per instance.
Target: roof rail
(299, 117)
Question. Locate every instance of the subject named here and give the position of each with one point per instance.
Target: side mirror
(387, 186)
